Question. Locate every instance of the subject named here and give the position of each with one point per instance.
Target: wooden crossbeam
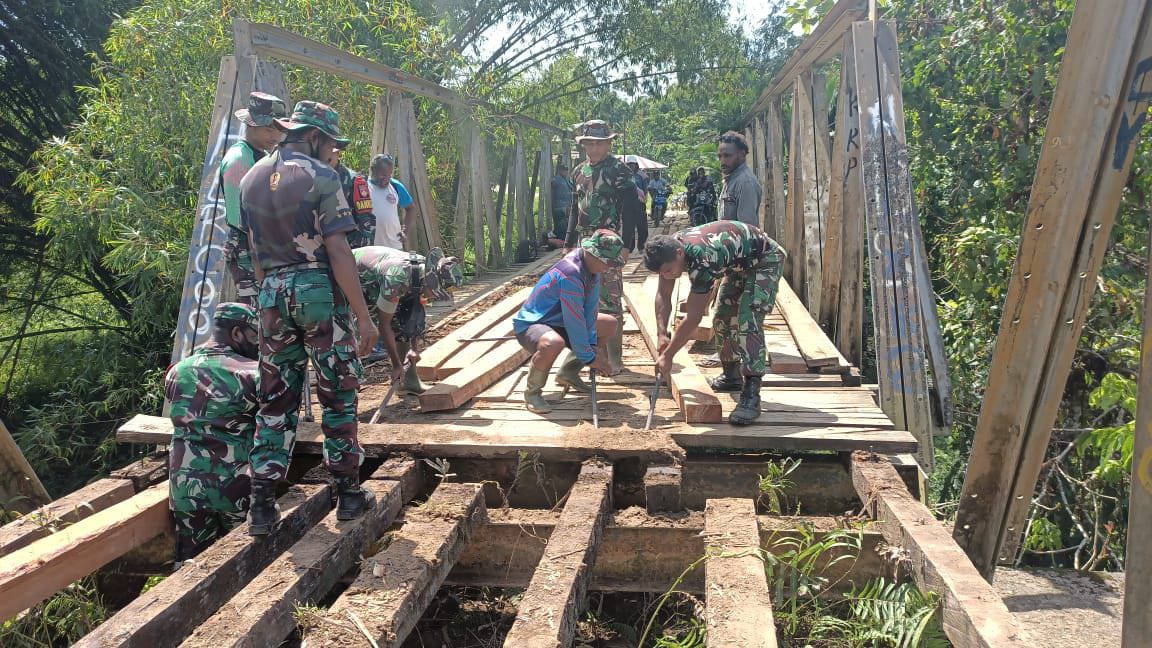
(71, 508)
(46, 566)
(974, 615)
(547, 615)
(1100, 102)
(804, 436)
(387, 599)
(646, 553)
(448, 346)
(262, 614)
(774, 133)
(472, 353)
(170, 611)
(739, 608)
(460, 387)
(482, 439)
(693, 394)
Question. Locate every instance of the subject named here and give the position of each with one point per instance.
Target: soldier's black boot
(730, 380)
(748, 410)
(263, 512)
(351, 499)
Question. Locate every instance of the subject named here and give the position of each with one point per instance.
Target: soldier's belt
(294, 267)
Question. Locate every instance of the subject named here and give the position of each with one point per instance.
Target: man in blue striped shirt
(563, 311)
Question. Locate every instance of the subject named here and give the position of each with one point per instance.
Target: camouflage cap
(595, 129)
(234, 312)
(442, 273)
(313, 114)
(605, 245)
(262, 110)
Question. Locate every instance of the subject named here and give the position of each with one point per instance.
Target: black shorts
(530, 338)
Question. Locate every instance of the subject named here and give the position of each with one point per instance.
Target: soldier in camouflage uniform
(359, 199)
(603, 185)
(396, 284)
(748, 262)
(260, 136)
(213, 397)
(294, 207)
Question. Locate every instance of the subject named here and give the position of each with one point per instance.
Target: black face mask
(246, 348)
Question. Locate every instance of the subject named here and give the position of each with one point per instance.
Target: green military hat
(234, 312)
(313, 114)
(605, 245)
(262, 110)
(596, 129)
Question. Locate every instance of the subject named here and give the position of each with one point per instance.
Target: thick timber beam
(547, 615)
(386, 600)
(170, 611)
(1101, 101)
(67, 510)
(974, 615)
(739, 609)
(262, 614)
(44, 567)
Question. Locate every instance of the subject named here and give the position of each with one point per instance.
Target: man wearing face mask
(213, 396)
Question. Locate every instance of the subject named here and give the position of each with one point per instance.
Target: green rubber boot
(615, 348)
(569, 375)
(534, 396)
(411, 383)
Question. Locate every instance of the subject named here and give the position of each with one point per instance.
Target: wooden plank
(1071, 210)
(268, 40)
(801, 437)
(485, 200)
(794, 264)
(170, 611)
(204, 274)
(808, 193)
(544, 184)
(419, 179)
(39, 570)
(821, 148)
(20, 488)
(547, 614)
(502, 390)
(834, 218)
(1138, 558)
(812, 342)
(478, 185)
(738, 608)
(818, 46)
(889, 209)
(849, 315)
(379, 126)
(472, 353)
(263, 613)
(523, 202)
(693, 394)
(973, 613)
(774, 132)
(459, 388)
(432, 358)
(67, 510)
(458, 439)
(386, 600)
(463, 181)
(767, 222)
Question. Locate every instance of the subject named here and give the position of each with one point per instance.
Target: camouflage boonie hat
(313, 114)
(606, 245)
(235, 312)
(595, 129)
(263, 109)
(442, 273)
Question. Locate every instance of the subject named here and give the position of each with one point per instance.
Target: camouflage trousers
(745, 298)
(238, 257)
(304, 315)
(207, 491)
(611, 289)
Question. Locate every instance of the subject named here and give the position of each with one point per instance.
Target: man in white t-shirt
(389, 197)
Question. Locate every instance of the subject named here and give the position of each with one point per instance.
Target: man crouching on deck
(749, 263)
(562, 311)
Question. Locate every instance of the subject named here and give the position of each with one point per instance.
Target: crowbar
(387, 397)
(308, 393)
(652, 403)
(595, 410)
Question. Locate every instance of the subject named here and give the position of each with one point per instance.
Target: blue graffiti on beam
(204, 277)
(1127, 130)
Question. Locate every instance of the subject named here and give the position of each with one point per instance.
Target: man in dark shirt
(561, 199)
(294, 208)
